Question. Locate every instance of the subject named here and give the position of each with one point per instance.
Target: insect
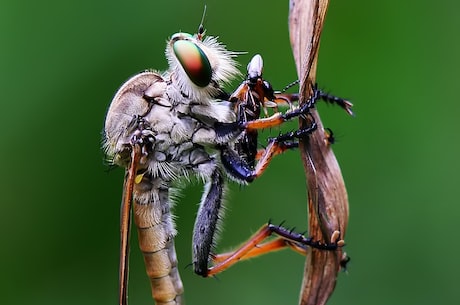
(160, 127)
(248, 99)
(256, 94)
(156, 127)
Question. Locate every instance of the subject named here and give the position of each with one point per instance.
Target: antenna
(201, 29)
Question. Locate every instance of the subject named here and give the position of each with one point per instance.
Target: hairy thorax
(178, 133)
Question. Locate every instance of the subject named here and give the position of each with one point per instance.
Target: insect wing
(129, 103)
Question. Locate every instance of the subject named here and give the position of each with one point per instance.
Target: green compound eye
(193, 60)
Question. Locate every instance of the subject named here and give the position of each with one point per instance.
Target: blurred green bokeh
(62, 61)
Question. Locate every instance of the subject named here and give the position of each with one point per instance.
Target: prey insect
(160, 127)
(249, 99)
(256, 93)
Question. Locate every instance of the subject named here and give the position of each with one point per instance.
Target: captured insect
(256, 94)
(249, 99)
(160, 127)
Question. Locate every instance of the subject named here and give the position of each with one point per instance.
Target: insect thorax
(175, 128)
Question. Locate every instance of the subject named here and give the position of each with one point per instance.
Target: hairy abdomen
(156, 241)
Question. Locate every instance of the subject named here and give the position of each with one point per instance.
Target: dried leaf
(327, 195)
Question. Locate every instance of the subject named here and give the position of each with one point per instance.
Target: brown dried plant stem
(327, 196)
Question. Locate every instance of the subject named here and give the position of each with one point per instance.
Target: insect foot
(301, 240)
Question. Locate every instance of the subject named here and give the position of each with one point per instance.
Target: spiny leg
(279, 118)
(206, 224)
(254, 246)
(282, 147)
(229, 130)
(240, 170)
(276, 244)
(321, 95)
(332, 99)
(275, 147)
(269, 246)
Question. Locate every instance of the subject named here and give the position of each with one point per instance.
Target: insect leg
(228, 130)
(287, 238)
(240, 170)
(206, 222)
(279, 118)
(328, 98)
(282, 147)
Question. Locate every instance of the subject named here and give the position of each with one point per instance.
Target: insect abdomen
(157, 245)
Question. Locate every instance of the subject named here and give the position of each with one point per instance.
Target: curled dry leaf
(327, 195)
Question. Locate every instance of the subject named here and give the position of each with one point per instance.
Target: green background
(62, 61)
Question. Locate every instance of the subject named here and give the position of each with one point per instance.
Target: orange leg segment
(269, 246)
(254, 246)
(266, 155)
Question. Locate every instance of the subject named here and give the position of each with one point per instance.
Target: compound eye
(194, 61)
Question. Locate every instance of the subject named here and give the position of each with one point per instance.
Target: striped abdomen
(156, 241)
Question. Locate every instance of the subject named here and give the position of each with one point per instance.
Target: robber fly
(160, 127)
(157, 127)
